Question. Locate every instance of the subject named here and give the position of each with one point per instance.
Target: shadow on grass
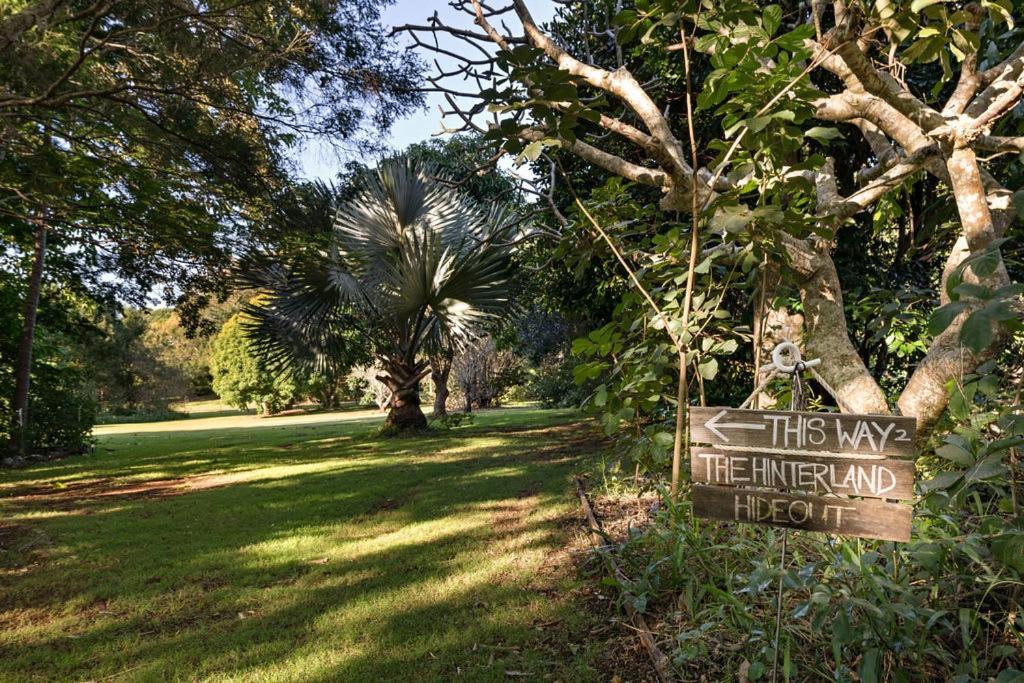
(358, 560)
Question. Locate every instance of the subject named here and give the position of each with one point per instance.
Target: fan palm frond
(415, 261)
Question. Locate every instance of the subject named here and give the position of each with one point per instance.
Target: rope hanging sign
(827, 472)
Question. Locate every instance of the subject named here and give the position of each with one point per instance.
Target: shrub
(553, 384)
(241, 379)
(455, 420)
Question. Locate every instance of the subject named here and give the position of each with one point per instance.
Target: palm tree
(412, 263)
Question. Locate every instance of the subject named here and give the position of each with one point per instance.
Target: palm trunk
(404, 412)
(23, 369)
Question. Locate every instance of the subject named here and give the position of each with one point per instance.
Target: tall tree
(143, 140)
(886, 73)
(464, 161)
(411, 262)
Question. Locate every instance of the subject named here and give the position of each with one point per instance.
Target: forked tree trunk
(440, 369)
(404, 412)
(23, 369)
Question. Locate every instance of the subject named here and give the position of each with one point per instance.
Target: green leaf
(772, 16)
(941, 481)
(985, 263)
(973, 290)
(757, 123)
(664, 439)
(943, 317)
(918, 5)
(1018, 202)
(956, 454)
(1003, 9)
(977, 331)
(870, 666)
(731, 218)
(823, 134)
(987, 468)
(708, 369)
(532, 151)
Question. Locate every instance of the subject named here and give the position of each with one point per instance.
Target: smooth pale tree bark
(23, 370)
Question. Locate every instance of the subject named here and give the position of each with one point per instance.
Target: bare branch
(619, 83)
(609, 162)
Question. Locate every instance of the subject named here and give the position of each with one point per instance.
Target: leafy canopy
(410, 261)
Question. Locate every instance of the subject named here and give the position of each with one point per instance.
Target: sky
(319, 160)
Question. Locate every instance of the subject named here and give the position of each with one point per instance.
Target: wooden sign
(790, 430)
(830, 475)
(834, 515)
(798, 470)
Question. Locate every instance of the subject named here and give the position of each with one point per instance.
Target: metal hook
(798, 365)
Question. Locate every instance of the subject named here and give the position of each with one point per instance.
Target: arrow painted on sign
(714, 425)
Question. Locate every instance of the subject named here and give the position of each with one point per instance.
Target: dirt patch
(390, 503)
(622, 655)
(80, 493)
(621, 514)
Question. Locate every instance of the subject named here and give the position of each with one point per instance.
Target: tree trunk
(23, 369)
(404, 410)
(926, 394)
(825, 333)
(440, 369)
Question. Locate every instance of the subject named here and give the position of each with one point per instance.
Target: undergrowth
(944, 607)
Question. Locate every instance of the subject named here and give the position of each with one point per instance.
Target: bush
(241, 379)
(62, 413)
(61, 408)
(483, 375)
(553, 384)
(455, 420)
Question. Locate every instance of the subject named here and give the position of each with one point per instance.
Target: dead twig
(597, 535)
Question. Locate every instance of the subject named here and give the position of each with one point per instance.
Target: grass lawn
(297, 548)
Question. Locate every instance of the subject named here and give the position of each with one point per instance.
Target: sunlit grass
(295, 548)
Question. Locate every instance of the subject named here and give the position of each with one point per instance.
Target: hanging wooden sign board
(828, 475)
(791, 430)
(833, 515)
(799, 469)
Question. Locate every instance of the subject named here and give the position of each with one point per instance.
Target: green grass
(297, 548)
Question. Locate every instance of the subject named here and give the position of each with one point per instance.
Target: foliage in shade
(411, 263)
(61, 406)
(150, 135)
